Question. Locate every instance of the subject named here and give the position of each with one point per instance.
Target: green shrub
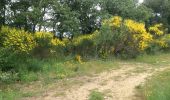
(84, 45)
(43, 39)
(167, 39)
(110, 41)
(7, 59)
(11, 61)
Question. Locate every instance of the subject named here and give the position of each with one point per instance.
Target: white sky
(140, 1)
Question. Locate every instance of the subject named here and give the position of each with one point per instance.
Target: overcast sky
(140, 1)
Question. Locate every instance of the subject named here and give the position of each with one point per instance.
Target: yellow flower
(57, 42)
(139, 34)
(161, 43)
(78, 58)
(156, 29)
(19, 40)
(114, 22)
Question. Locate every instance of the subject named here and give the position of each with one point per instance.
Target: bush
(18, 40)
(166, 38)
(47, 45)
(43, 39)
(138, 37)
(127, 38)
(156, 29)
(84, 45)
(110, 38)
(160, 40)
(7, 59)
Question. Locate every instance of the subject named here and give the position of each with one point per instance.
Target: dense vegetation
(100, 28)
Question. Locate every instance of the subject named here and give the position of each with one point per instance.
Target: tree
(122, 8)
(19, 18)
(37, 13)
(3, 12)
(128, 9)
(161, 9)
(89, 13)
(142, 13)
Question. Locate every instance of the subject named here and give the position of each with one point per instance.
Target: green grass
(9, 94)
(157, 60)
(95, 95)
(158, 87)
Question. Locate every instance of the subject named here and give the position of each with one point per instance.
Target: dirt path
(117, 84)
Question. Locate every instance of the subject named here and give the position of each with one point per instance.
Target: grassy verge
(157, 60)
(158, 87)
(52, 71)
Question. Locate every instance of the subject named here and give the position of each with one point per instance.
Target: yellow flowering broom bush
(43, 39)
(46, 39)
(160, 38)
(47, 44)
(139, 37)
(156, 29)
(125, 36)
(17, 40)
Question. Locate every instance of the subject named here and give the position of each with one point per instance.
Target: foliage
(17, 40)
(124, 37)
(114, 22)
(156, 29)
(110, 34)
(160, 38)
(57, 42)
(166, 39)
(161, 9)
(139, 37)
(142, 13)
(47, 45)
(6, 59)
(84, 45)
(43, 39)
